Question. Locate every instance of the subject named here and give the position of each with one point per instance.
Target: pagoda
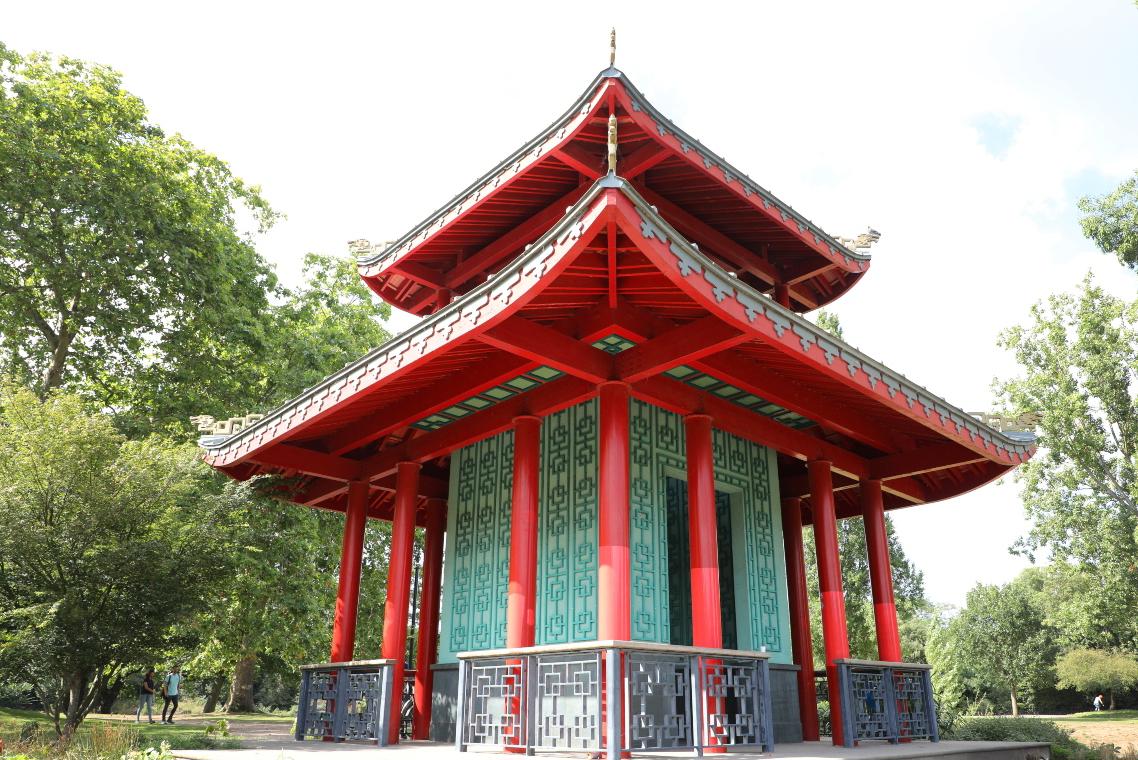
(613, 422)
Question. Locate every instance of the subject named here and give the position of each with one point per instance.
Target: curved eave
(333, 407)
(793, 334)
(398, 259)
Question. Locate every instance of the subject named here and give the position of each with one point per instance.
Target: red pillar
(829, 582)
(782, 295)
(351, 558)
(707, 625)
(429, 616)
(880, 572)
(394, 645)
(800, 617)
(614, 613)
(521, 603)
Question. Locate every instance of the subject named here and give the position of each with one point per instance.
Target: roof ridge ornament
(612, 143)
(612, 47)
(862, 242)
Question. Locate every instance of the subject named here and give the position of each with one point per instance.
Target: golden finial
(612, 47)
(612, 143)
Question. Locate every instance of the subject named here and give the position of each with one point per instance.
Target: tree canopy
(116, 239)
(1091, 670)
(1111, 221)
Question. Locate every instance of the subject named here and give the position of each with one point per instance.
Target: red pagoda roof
(741, 226)
(614, 291)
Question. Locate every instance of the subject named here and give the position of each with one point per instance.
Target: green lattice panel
(748, 472)
(476, 569)
(567, 538)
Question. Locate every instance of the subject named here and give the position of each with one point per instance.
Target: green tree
(104, 544)
(1111, 221)
(1078, 356)
(116, 239)
(1002, 636)
(1093, 670)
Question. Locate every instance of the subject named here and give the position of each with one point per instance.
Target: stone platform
(284, 748)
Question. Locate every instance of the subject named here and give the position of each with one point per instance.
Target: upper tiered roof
(736, 223)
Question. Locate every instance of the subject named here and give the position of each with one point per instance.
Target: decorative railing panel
(890, 701)
(614, 696)
(345, 701)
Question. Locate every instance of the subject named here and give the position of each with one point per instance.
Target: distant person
(146, 697)
(171, 690)
(1099, 703)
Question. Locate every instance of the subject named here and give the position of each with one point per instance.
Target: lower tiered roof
(612, 291)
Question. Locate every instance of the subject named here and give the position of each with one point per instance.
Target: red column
(351, 558)
(707, 626)
(829, 582)
(429, 616)
(521, 603)
(394, 645)
(782, 295)
(800, 617)
(880, 572)
(614, 607)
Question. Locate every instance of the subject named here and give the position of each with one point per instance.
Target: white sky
(965, 132)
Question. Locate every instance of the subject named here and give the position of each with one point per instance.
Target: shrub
(1063, 747)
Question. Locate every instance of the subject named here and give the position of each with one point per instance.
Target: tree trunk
(214, 694)
(53, 377)
(76, 695)
(1015, 704)
(1111, 693)
(241, 692)
(108, 695)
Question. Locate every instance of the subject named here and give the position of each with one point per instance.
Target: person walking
(146, 697)
(171, 691)
(1099, 703)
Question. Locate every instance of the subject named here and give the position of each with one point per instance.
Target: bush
(824, 726)
(1063, 747)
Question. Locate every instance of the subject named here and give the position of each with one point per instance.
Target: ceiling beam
(526, 232)
(922, 460)
(546, 399)
(711, 239)
(582, 161)
(426, 401)
(642, 159)
(827, 412)
(421, 274)
(680, 345)
(308, 462)
(682, 398)
(550, 347)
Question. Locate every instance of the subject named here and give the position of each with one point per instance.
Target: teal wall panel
(567, 537)
(476, 568)
(746, 471)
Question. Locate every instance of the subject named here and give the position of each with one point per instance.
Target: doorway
(679, 565)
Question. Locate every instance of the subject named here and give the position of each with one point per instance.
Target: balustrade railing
(665, 697)
(886, 700)
(346, 701)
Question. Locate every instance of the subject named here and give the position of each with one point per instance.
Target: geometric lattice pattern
(568, 701)
(659, 696)
(477, 564)
(739, 397)
(673, 699)
(883, 701)
(344, 703)
(493, 710)
(745, 470)
(614, 344)
(567, 536)
(734, 701)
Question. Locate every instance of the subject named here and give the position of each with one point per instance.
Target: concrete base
(444, 702)
(286, 749)
(784, 701)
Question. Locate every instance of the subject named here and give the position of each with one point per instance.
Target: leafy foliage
(1111, 221)
(1063, 747)
(1079, 355)
(91, 521)
(116, 239)
(1091, 670)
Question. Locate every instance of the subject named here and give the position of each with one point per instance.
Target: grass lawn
(179, 735)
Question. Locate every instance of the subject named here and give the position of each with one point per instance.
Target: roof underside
(613, 291)
(741, 226)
